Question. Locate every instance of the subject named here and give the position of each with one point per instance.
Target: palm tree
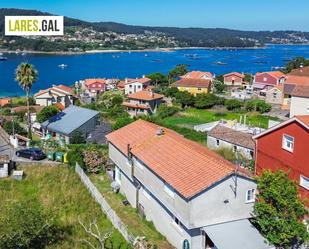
(26, 75)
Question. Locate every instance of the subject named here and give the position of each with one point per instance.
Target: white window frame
(302, 182)
(118, 175)
(217, 142)
(169, 190)
(252, 190)
(284, 139)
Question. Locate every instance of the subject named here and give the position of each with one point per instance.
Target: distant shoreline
(126, 51)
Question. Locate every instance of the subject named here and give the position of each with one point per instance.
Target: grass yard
(60, 191)
(191, 116)
(136, 225)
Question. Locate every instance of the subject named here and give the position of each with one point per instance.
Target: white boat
(62, 65)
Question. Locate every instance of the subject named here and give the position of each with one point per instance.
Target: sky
(234, 14)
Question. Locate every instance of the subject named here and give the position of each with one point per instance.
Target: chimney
(160, 131)
(126, 80)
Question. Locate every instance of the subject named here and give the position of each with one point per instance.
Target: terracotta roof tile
(142, 80)
(232, 136)
(59, 88)
(300, 91)
(304, 119)
(137, 106)
(297, 80)
(276, 74)
(197, 75)
(300, 71)
(145, 95)
(236, 74)
(185, 165)
(89, 82)
(192, 83)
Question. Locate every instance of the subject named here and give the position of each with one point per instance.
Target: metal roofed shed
(73, 118)
(239, 234)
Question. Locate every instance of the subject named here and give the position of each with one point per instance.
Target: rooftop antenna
(234, 177)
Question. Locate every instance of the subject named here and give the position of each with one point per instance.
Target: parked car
(31, 153)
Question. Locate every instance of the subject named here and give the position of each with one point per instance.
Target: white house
(136, 85)
(60, 94)
(299, 104)
(194, 197)
(224, 137)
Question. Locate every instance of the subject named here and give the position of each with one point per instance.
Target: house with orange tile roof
(285, 147)
(186, 190)
(272, 95)
(193, 86)
(95, 86)
(143, 103)
(56, 94)
(234, 79)
(135, 85)
(198, 75)
(5, 101)
(268, 79)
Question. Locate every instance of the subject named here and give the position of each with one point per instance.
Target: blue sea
(135, 64)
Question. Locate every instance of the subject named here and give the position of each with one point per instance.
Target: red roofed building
(285, 147)
(234, 79)
(57, 94)
(143, 103)
(265, 79)
(185, 189)
(135, 85)
(198, 75)
(5, 101)
(95, 86)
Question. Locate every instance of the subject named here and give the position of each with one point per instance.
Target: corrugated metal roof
(69, 119)
(239, 234)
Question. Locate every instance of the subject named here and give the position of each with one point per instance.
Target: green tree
(26, 75)
(8, 127)
(179, 70)
(171, 91)
(279, 211)
(219, 86)
(296, 63)
(25, 225)
(77, 137)
(121, 122)
(46, 113)
(204, 100)
(184, 98)
(165, 111)
(158, 78)
(233, 104)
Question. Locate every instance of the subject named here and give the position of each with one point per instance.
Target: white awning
(239, 234)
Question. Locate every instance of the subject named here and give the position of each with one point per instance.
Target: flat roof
(240, 234)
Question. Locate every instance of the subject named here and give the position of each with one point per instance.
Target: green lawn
(192, 116)
(60, 191)
(136, 225)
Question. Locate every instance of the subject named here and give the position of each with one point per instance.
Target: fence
(116, 221)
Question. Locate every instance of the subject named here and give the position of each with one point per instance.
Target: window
(169, 190)
(251, 153)
(130, 86)
(304, 182)
(118, 175)
(250, 195)
(217, 142)
(288, 143)
(199, 88)
(139, 86)
(308, 109)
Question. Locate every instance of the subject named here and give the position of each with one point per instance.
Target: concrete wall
(135, 87)
(219, 204)
(274, 96)
(212, 144)
(299, 106)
